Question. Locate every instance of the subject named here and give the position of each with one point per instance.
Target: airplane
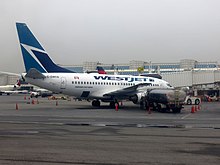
(10, 89)
(101, 70)
(40, 92)
(43, 72)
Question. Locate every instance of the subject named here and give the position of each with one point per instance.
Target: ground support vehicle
(192, 100)
(164, 100)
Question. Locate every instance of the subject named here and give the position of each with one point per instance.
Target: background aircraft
(10, 89)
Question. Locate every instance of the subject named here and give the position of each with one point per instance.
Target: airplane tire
(160, 109)
(96, 103)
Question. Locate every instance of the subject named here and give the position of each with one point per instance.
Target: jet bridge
(192, 78)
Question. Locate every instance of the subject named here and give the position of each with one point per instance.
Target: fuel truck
(164, 100)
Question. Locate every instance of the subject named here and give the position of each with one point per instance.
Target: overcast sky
(112, 31)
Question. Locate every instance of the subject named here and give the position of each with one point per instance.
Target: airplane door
(63, 83)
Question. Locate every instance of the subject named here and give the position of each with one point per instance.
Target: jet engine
(136, 98)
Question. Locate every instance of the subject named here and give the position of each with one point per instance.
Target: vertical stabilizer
(101, 70)
(33, 53)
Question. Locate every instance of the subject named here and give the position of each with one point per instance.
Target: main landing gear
(112, 104)
(96, 103)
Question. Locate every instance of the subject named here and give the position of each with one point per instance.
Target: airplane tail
(34, 55)
(18, 83)
(101, 70)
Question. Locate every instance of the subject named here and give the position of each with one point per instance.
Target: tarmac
(73, 132)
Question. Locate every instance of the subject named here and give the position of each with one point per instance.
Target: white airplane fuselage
(93, 85)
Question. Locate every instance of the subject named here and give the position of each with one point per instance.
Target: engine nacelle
(136, 98)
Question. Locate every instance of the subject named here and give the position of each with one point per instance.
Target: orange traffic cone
(116, 106)
(192, 109)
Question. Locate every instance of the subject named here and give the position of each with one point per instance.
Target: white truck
(192, 100)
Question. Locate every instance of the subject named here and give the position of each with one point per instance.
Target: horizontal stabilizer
(35, 74)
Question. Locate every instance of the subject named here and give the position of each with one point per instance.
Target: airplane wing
(127, 91)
